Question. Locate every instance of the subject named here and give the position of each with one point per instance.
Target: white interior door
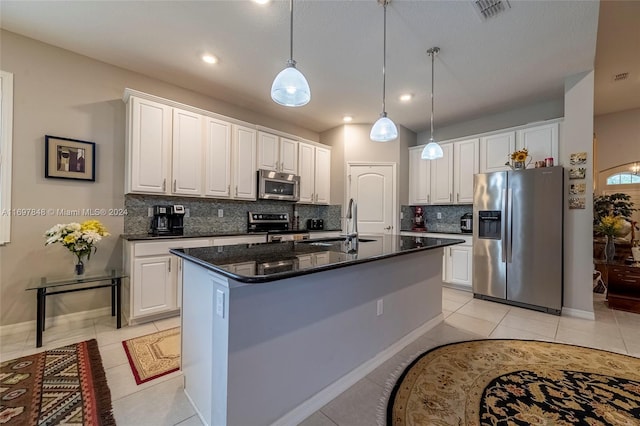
(372, 186)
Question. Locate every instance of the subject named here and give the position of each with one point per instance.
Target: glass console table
(78, 283)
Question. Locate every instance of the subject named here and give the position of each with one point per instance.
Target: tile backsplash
(203, 213)
(450, 221)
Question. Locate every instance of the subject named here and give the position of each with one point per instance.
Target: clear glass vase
(610, 249)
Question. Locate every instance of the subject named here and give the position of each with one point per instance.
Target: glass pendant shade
(290, 88)
(432, 151)
(383, 130)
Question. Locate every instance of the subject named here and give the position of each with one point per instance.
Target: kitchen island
(272, 332)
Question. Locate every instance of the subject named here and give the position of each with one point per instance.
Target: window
(624, 178)
(6, 137)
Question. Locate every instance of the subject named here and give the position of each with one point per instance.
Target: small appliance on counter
(168, 220)
(315, 224)
(418, 220)
(466, 223)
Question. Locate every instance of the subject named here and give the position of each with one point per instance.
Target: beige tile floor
(162, 402)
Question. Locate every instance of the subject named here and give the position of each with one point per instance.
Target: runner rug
(517, 382)
(154, 355)
(66, 386)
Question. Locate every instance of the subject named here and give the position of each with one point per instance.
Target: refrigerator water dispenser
(490, 224)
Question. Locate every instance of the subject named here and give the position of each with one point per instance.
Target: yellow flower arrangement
(520, 155)
(518, 158)
(79, 239)
(610, 225)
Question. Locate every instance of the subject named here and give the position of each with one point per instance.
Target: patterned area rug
(517, 382)
(154, 355)
(63, 386)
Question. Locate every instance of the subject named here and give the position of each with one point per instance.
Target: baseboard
(28, 326)
(578, 313)
(329, 393)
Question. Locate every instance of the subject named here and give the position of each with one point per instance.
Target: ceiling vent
(621, 76)
(490, 8)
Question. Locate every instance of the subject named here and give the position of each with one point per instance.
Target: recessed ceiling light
(406, 97)
(261, 1)
(347, 119)
(210, 59)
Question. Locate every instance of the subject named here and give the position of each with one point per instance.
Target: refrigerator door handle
(504, 226)
(510, 203)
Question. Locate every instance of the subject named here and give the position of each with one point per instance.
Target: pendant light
(290, 88)
(432, 151)
(384, 130)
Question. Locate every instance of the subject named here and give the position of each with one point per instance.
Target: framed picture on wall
(69, 159)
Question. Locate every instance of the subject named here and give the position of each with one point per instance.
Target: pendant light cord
(432, 52)
(432, 59)
(384, 60)
(291, 30)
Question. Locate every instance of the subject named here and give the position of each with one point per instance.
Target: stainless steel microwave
(278, 186)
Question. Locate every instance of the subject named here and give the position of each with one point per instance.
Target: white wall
(578, 224)
(513, 117)
(617, 138)
(60, 93)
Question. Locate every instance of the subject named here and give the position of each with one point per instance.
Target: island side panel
(205, 343)
(290, 339)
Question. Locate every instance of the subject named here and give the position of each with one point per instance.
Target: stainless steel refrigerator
(518, 237)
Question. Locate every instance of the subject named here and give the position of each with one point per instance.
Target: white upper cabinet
(322, 175)
(495, 151)
(187, 153)
(465, 165)
(315, 173)
(244, 163)
(148, 152)
(442, 177)
(217, 158)
(268, 151)
(419, 178)
(277, 153)
(306, 161)
(540, 141)
(288, 156)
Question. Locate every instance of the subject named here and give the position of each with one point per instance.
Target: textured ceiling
(519, 57)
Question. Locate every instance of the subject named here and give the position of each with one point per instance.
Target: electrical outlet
(150, 212)
(401, 215)
(187, 213)
(380, 307)
(439, 215)
(220, 213)
(220, 303)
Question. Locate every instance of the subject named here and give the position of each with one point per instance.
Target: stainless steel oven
(287, 265)
(276, 225)
(278, 186)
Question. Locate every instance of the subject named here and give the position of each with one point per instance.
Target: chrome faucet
(352, 215)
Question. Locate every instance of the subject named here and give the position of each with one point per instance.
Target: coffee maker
(418, 220)
(168, 220)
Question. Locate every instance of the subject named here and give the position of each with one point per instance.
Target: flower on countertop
(79, 239)
(610, 225)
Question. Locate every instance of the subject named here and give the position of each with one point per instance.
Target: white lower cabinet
(154, 291)
(458, 265)
(154, 288)
(457, 260)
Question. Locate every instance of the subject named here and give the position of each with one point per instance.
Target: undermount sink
(329, 241)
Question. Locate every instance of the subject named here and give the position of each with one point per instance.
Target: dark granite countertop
(143, 237)
(275, 261)
(439, 232)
